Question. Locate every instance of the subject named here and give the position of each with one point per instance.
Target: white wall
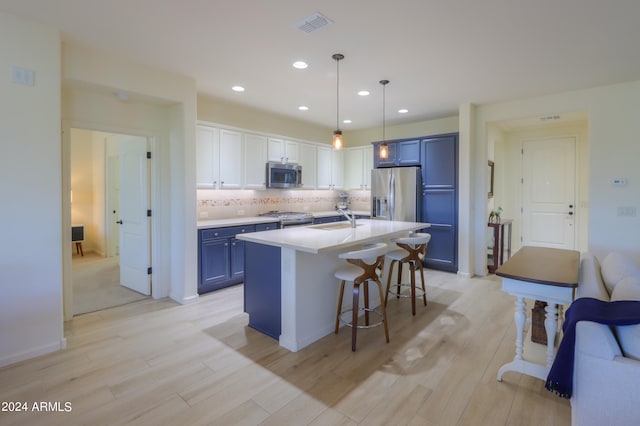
(231, 114)
(613, 152)
(420, 128)
(30, 174)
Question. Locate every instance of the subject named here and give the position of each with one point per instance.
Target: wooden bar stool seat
(412, 251)
(361, 268)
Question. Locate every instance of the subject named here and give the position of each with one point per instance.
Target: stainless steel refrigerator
(396, 194)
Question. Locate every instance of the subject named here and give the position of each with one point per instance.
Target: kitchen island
(290, 292)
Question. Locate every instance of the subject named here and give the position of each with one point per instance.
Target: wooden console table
(538, 273)
(499, 243)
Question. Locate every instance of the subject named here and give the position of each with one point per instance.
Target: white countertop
(251, 220)
(331, 236)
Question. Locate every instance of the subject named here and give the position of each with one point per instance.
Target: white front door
(134, 223)
(549, 192)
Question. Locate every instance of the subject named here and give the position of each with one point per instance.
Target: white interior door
(549, 192)
(134, 223)
(113, 205)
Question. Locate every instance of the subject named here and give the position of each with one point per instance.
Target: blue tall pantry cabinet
(439, 162)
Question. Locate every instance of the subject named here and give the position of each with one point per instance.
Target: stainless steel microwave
(284, 175)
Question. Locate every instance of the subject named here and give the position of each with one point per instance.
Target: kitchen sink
(334, 226)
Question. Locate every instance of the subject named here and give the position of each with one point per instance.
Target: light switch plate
(22, 76)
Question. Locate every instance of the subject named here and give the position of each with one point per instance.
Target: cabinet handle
(226, 244)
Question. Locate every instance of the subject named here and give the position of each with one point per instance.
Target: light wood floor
(156, 362)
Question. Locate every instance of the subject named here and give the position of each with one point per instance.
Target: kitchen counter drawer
(267, 226)
(209, 234)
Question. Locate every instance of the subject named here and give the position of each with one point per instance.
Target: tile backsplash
(223, 204)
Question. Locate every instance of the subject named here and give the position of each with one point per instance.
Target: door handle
(119, 221)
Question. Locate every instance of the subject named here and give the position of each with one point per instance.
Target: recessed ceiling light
(237, 89)
(300, 65)
(347, 121)
(303, 108)
(403, 110)
(363, 93)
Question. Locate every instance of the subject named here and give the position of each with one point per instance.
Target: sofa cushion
(629, 335)
(617, 266)
(590, 279)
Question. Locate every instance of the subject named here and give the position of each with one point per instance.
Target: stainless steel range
(289, 219)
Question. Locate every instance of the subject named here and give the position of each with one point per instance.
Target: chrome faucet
(351, 218)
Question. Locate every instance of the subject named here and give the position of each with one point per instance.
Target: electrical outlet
(240, 212)
(204, 215)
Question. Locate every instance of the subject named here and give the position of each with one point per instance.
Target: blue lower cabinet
(237, 259)
(220, 257)
(214, 264)
(328, 219)
(262, 288)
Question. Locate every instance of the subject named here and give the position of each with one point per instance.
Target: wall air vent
(313, 22)
(550, 118)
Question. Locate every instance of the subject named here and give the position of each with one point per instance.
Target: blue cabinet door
(440, 162)
(440, 200)
(237, 258)
(408, 153)
(390, 161)
(214, 264)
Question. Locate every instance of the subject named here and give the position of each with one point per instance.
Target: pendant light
(383, 151)
(337, 134)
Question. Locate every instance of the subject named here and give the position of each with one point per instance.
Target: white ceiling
(436, 53)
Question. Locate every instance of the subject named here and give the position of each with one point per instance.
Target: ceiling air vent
(313, 22)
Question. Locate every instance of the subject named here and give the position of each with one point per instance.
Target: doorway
(549, 192)
(102, 271)
(541, 179)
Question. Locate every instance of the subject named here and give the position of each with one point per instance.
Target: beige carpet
(96, 284)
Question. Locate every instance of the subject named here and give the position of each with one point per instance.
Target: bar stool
(360, 270)
(412, 251)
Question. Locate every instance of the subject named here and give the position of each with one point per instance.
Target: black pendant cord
(338, 57)
(384, 102)
(338, 94)
(384, 91)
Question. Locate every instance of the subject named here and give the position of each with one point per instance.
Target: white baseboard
(32, 353)
(465, 274)
(186, 300)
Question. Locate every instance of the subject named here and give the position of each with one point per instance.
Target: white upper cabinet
(283, 150)
(368, 166)
(255, 160)
(358, 165)
(207, 164)
(337, 169)
(307, 159)
(218, 158)
(230, 159)
(330, 168)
